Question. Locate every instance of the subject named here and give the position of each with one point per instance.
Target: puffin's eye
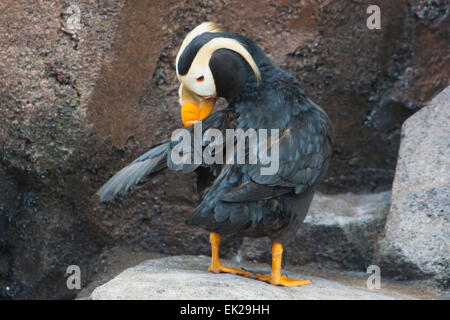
(200, 79)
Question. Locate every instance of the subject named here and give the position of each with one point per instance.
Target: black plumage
(241, 197)
(236, 198)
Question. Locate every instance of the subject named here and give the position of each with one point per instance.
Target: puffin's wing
(219, 120)
(305, 147)
(252, 191)
(155, 160)
(135, 173)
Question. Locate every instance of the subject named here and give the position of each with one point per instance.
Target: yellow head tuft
(201, 28)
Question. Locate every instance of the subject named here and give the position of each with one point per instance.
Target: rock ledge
(185, 277)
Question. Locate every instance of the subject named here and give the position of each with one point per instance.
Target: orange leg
(275, 276)
(216, 266)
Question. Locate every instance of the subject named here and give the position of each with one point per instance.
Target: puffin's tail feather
(135, 173)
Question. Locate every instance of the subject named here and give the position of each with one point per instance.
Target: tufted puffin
(236, 197)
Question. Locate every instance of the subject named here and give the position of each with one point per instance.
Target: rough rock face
(148, 280)
(340, 231)
(77, 106)
(46, 79)
(417, 235)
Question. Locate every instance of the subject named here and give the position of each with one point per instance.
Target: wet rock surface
(417, 235)
(78, 106)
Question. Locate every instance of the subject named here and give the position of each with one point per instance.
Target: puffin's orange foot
(282, 280)
(218, 268)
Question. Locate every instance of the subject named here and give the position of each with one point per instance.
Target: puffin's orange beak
(191, 113)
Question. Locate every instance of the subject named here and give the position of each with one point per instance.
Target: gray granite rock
(340, 231)
(185, 277)
(417, 235)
